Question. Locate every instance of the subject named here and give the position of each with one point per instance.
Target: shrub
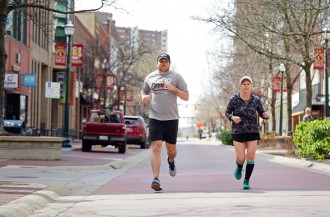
(313, 139)
(226, 137)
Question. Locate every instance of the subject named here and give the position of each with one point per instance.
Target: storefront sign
(29, 80)
(11, 81)
(60, 79)
(52, 90)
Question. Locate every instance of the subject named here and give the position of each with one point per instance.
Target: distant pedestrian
(308, 115)
(241, 111)
(161, 88)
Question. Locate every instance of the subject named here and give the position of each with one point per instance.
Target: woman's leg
(240, 158)
(251, 152)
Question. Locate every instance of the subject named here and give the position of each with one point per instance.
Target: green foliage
(313, 139)
(226, 137)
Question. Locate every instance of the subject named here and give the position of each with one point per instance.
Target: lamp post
(282, 70)
(125, 100)
(104, 66)
(69, 31)
(326, 72)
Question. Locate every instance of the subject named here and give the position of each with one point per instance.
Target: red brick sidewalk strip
(10, 191)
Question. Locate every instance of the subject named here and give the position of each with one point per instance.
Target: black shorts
(163, 130)
(245, 137)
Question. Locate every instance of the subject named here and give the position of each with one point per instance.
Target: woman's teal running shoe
(246, 185)
(238, 173)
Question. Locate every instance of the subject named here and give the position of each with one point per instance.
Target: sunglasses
(163, 61)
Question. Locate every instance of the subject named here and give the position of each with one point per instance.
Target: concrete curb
(24, 206)
(302, 163)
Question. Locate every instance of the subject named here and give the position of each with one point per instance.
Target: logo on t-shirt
(159, 84)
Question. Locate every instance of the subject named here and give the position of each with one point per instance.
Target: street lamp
(69, 31)
(282, 70)
(104, 81)
(326, 72)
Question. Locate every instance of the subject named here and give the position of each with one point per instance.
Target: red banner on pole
(319, 58)
(129, 96)
(99, 81)
(110, 82)
(276, 84)
(77, 55)
(60, 54)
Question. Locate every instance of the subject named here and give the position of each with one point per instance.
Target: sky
(188, 40)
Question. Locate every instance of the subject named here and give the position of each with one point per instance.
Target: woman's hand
(236, 119)
(265, 115)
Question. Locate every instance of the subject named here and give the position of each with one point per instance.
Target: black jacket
(247, 113)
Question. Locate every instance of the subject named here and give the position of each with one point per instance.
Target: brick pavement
(13, 190)
(10, 191)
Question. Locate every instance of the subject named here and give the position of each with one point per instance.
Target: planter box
(30, 148)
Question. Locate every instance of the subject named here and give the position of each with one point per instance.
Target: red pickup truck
(104, 128)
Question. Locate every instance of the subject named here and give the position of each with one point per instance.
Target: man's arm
(184, 95)
(145, 97)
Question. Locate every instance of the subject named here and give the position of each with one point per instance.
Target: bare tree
(283, 31)
(130, 65)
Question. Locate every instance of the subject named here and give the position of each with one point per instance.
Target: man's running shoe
(172, 169)
(156, 184)
(246, 185)
(238, 173)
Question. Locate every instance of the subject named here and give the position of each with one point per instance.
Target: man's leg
(171, 153)
(156, 147)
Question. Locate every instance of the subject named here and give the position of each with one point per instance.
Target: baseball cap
(163, 56)
(245, 78)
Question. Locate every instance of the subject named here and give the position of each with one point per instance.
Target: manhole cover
(243, 206)
(21, 177)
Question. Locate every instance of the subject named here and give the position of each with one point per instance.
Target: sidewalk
(19, 198)
(27, 186)
(13, 190)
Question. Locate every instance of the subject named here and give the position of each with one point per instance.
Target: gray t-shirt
(163, 102)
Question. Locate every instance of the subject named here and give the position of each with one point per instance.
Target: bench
(30, 148)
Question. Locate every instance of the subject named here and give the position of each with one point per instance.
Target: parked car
(104, 128)
(204, 135)
(137, 131)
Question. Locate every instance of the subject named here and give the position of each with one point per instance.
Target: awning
(60, 5)
(300, 107)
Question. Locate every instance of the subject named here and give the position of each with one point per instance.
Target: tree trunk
(289, 100)
(309, 92)
(273, 111)
(3, 57)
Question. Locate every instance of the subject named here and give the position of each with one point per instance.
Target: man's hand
(146, 98)
(169, 86)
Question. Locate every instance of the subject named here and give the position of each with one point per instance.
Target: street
(203, 186)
